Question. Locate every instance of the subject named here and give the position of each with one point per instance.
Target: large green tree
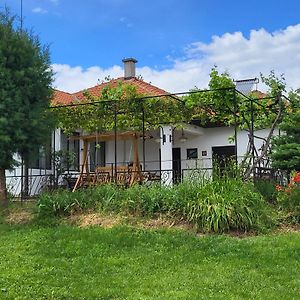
(286, 148)
(25, 94)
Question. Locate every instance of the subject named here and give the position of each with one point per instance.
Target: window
(192, 153)
(40, 157)
(72, 147)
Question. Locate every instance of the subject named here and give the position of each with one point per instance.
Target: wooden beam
(84, 165)
(136, 170)
(108, 136)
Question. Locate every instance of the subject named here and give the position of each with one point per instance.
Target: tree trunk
(26, 178)
(3, 191)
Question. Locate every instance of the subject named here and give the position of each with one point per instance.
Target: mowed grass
(67, 262)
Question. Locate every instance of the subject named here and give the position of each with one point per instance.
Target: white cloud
(247, 57)
(243, 57)
(73, 79)
(39, 10)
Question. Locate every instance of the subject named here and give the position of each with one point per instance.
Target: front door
(176, 154)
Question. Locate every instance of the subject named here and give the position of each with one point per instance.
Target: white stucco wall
(211, 137)
(125, 153)
(204, 141)
(214, 137)
(37, 177)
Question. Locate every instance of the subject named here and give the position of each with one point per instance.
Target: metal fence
(23, 187)
(20, 186)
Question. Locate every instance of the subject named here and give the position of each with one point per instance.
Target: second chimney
(129, 67)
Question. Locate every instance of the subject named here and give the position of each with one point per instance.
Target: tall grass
(215, 205)
(228, 204)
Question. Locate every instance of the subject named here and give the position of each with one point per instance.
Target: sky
(176, 42)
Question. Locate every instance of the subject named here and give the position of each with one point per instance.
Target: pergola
(135, 107)
(124, 174)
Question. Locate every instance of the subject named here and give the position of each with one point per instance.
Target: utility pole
(21, 14)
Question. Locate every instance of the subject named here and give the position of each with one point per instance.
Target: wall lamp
(183, 138)
(163, 138)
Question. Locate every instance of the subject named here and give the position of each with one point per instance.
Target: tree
(25, 94)
(286, 148)
(216, 104)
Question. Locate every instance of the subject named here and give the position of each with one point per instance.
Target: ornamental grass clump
(142, 200)
(62, 202)
(225, 204)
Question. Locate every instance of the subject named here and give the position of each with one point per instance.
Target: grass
(60, 261)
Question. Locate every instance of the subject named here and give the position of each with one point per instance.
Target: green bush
(267, 188)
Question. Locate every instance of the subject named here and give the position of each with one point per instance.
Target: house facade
(170, 152)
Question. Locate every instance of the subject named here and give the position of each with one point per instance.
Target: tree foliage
(216, 104)
(220, 104)
(286, 148)
(25, 93)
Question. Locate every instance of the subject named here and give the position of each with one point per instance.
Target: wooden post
(84, 167)
(136, 162)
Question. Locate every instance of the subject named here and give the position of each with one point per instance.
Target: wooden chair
(122, 175)
(102, 175)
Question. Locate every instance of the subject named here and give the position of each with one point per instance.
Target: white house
(171, 151)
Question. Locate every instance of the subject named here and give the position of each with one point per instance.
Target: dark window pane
(71, 148)
(97, 155)
(192, 153)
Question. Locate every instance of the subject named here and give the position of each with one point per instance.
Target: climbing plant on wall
(221, 104)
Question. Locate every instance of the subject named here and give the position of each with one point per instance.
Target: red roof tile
(60, 97)
(141, 86)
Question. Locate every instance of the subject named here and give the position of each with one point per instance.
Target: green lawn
(67, 262)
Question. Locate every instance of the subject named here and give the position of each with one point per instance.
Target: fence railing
(20, 186)
(23, 187)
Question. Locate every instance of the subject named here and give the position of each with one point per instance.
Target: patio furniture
(122, 174)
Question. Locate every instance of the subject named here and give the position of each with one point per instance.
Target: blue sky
(164, 35)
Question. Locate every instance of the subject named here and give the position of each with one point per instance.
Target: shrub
(267, 188)
(228, 204)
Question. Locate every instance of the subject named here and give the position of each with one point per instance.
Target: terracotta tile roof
(60, 97)
(142, 87)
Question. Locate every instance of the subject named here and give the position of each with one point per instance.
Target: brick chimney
(129, 67)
